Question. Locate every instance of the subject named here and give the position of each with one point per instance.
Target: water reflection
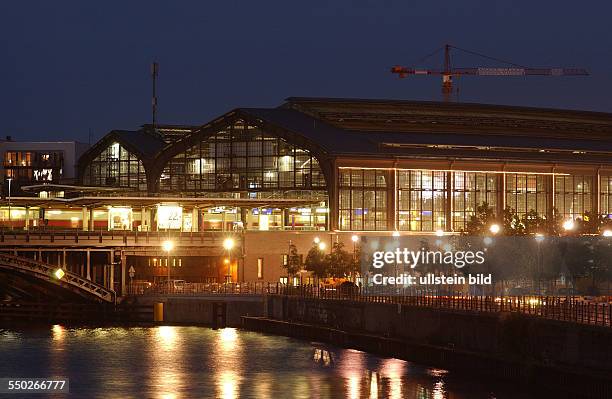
(170, 362)
(166, 356)
(229, 352)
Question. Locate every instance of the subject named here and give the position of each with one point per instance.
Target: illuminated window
(573, 195)
(525, 192)
(244, 158)
(260, 268)
(470, 190)
(116, 167)
(606, 195)
(421, 200)
(363, 199)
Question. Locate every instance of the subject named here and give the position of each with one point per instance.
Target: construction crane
(448, 72)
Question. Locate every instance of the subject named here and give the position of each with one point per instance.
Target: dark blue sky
(68, 67)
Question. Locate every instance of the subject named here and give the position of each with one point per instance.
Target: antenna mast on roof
(154, 73)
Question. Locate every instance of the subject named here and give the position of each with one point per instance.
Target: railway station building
(321, 168)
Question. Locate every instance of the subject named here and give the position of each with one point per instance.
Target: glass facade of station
(430, 200)
(573, 195)
(422, 200)
(242, 158)
(363, 199)
(115, 166)
(470, 190)
(528, 192)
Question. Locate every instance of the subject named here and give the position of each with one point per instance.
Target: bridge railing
(46, 272)
(194, 289)
(594, 311)
(101, 236)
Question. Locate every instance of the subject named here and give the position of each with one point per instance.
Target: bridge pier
(88, 265)
(123, 271)
(112, 271)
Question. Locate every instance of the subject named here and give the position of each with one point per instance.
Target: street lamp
(322, 246)
(228, 244)
(607, 233)
(439, 233)
(396, 233)
(168, 246)
(494, 228)
(568, 225)
(317, 240)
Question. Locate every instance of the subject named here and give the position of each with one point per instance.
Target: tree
(316, 262)
(480, 222)
(294, 261)
(339, 261)
(512, 223)
(534, 223)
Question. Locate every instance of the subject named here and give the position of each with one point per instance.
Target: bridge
(48, 274)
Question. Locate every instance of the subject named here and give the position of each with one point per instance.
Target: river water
(169, 362)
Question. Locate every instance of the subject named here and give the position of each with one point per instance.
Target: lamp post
(228, 244)
(168, 245)
(9, 203)
(131, 273)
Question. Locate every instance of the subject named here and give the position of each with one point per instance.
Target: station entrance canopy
(151, 201)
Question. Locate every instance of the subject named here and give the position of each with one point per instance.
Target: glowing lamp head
(59, 274)
(226, 261)
(607, 233)
(439, 233)
(568, 225)
(396, 234)
(494, 228)
(168, 245)
(322, 246)
(354, 238)
(317, 240)
(228, 243)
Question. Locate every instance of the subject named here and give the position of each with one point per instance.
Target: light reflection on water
(169, 362)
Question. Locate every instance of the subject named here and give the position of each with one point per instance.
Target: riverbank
(540, 353)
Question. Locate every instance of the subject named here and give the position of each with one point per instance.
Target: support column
(88, 267)
(287, 221)
(596, 190)
(112, 271)
(450, 182)
(195, 220)
(501, 195)
(85, 226)
(144, 224)
(550, 185)
(27, 218)
(91, 225)
(123, 272)
(152, 219)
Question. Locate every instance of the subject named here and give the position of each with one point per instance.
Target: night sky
(70, 68)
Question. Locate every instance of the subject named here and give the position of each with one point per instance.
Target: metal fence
(194, 289)
(594, 311)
